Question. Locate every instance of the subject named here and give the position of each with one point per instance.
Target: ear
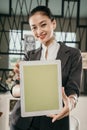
(54, 24)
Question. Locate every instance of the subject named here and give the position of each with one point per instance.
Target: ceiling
(55, 5)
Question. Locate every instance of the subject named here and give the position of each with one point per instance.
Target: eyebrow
(39, 23)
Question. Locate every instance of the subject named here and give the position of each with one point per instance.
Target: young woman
(43, 24)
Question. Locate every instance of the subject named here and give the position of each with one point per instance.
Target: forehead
(37, 18)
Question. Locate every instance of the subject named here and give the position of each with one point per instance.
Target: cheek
(50, 29)
(35, 36)
(33, 33)
(51, 32)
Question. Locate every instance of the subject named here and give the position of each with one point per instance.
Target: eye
(43, 25)
(33, 28)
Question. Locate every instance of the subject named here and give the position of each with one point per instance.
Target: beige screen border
(40, 83)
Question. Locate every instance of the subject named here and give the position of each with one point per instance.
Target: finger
(17, 76)
(16, 70)
(65, 115)
(51, 115)
(60, 116)
(17, 65)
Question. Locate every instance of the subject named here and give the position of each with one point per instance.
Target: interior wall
(80, 112)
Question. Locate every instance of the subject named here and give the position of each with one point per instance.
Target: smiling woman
(42, 26)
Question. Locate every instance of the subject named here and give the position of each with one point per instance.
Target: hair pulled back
(44, 10)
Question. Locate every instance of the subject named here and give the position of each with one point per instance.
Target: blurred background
(16, 37)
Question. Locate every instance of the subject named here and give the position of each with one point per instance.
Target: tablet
(41, 85)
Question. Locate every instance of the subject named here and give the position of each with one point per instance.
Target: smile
(42, 36)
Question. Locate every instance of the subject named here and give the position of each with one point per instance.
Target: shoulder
(32, 53)
(35, 51)
(71, 50)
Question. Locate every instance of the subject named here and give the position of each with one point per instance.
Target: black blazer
(71, 62)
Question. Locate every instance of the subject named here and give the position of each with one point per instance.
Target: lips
(42, 36)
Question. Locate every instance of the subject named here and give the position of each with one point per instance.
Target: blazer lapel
(63, 54)
(36, 54)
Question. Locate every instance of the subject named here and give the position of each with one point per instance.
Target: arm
(75, 73)
(70, 92)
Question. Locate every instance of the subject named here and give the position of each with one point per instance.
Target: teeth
(42, 36)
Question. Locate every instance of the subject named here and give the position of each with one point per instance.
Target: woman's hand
(16, 71)
(69, 104)
(16, 91)
(16, 87)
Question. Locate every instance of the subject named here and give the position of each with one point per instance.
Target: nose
(39, 31)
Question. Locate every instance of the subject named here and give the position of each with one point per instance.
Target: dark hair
(45, 11)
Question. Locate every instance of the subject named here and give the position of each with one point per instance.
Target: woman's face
(42, 28)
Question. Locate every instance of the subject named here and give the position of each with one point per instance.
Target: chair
(74, 123)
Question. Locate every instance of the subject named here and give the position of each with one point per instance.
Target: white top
(53, 49)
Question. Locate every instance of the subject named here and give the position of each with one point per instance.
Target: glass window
(17, 46)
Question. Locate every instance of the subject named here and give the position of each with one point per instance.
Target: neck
(49, 42)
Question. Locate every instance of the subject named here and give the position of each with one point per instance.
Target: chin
(43, 41)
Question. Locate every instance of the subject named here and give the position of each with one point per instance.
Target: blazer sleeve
(75, 73)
